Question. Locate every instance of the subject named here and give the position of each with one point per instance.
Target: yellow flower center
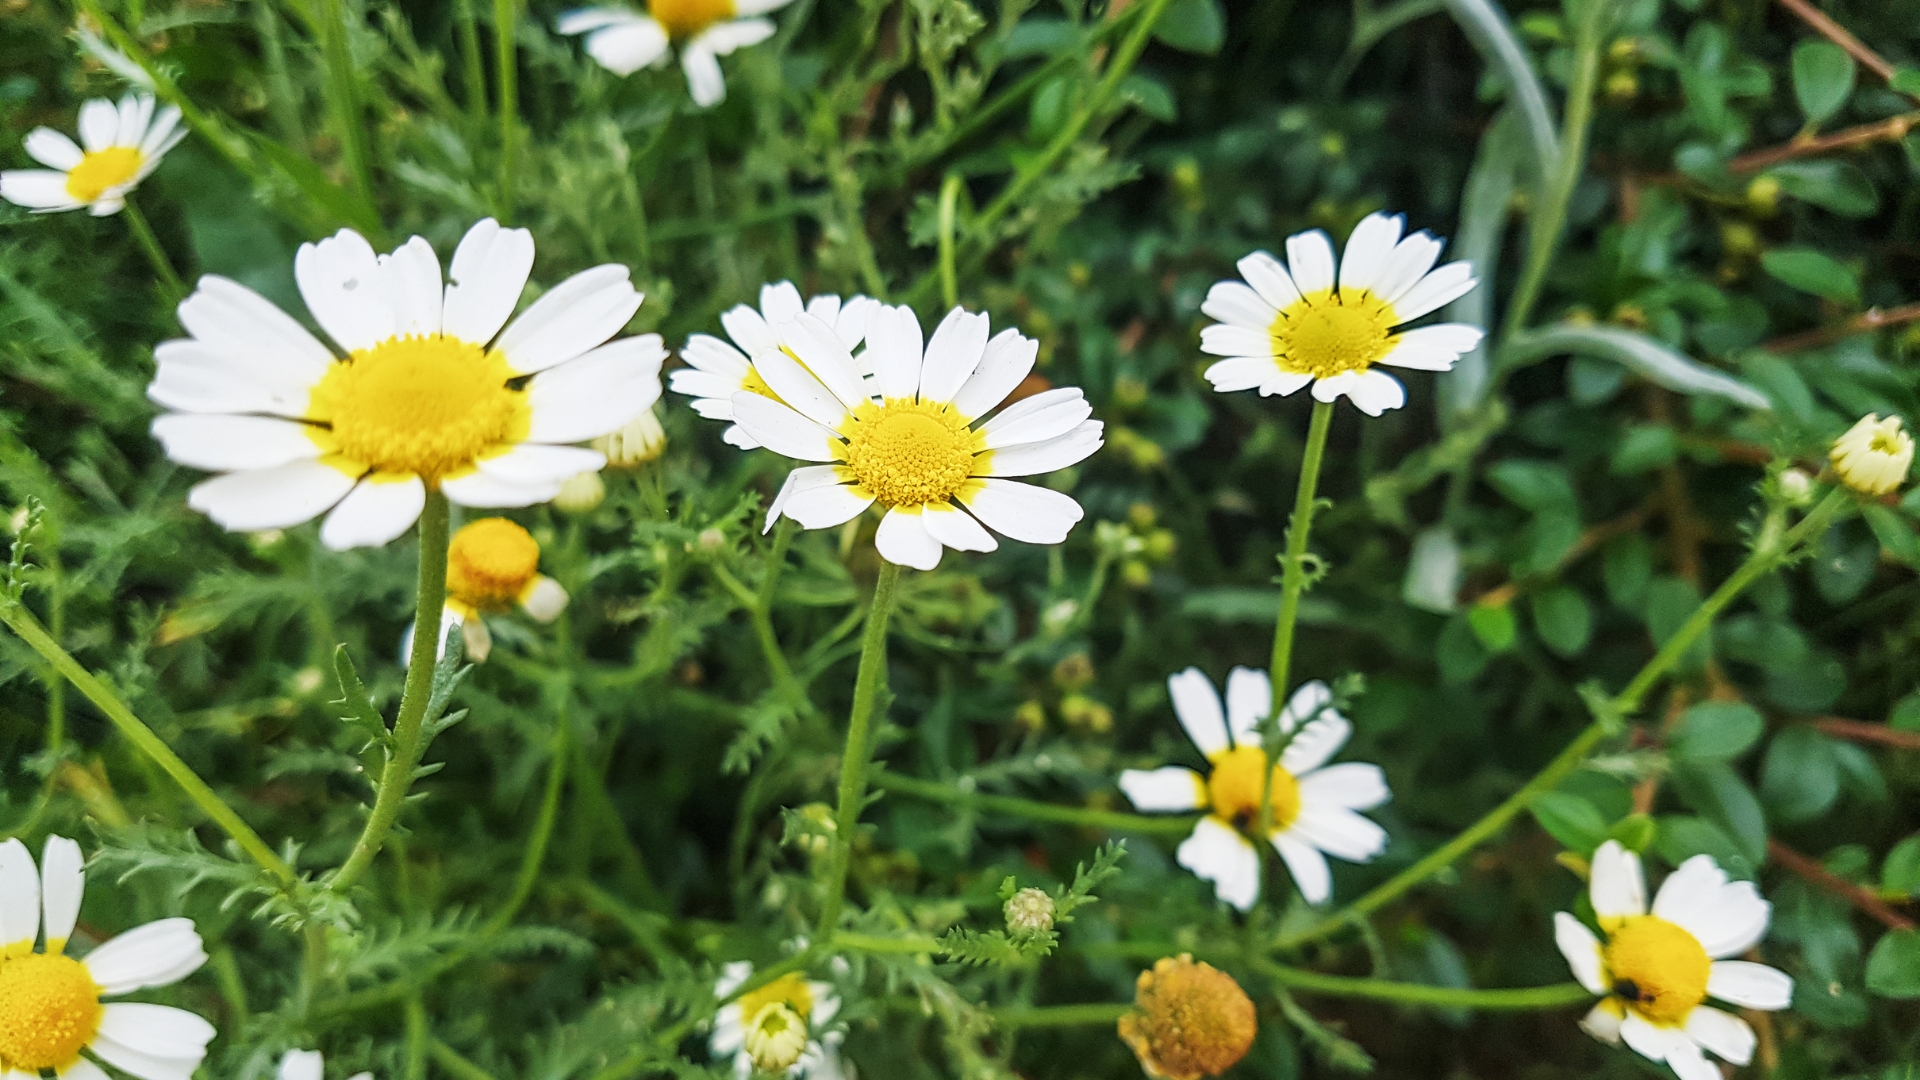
(102, 170)
(910, 453)
(683, 19)
(490, 562)
(1233, 789)
(426, 406)
(49, 1010)
(1328, 333)
(1189, 1020)
(1658, 969)
(790, 990)
(754, 384)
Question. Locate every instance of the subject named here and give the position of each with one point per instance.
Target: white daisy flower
(309, 1065)
(1287, 326)
(51, 1015)
(426, 391)
(720, 370)
(1314, 805)
(624, 40)
(907, 440)
(773, 1028)
(122, 144)
(1657, 969)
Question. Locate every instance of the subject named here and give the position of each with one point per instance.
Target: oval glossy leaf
(1716, 731)
(1823, 77)
(1814, 272)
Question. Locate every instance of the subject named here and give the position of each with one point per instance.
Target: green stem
(1544, 233)
(506, 15)
(149, 243)
(337, 50)
(1171, 825)
(396, 778)
(916, 943)
(1044, 1016)
(853, 762)
(450, 1060)
(22, 622)
(415, 1067)
(1293, 578)
(1532, 997)
(472, 67)
(949, 207)
(759, 605)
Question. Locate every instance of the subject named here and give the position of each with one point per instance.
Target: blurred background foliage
(1734, 288)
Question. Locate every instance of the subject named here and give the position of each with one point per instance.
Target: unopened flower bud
(776, 1036)
(1874, 456)
(1136, 574)
(1074, 672)
(711, 540)
(581, 492)
(1029, 911)
(1796, 487)
(1763, 196)
(1086, 715)
(641, 441)
(1189, 1020)
(1031, 716)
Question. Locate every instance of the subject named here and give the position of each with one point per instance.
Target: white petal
(956, 529)
(576, 315)
(1043, 457)
(1198, 707)
(758, 7)
(581, 20)
(190, 376)
(853, 319)
(1007, 362)
(271, 498)
(780, 302)
(489, 271)
(301, 1065)
(628, 47)
(341, 281)
(1616, 886)
(896, 350)
(1243, 373)
(1249, 700)
(704, 82)
(826, 1004)
(1216, 853)
(904, 540)
(1311, 875)
(724, 38)
(1433, 348)
(52, 149)
(1284, 383)
(822, 505)
(709, 354)
(1354, 785)
(157, 954)
(545, 599)
(1046, 415)
(1270, 279)
(1340, 833)
(1319, 740)
(827, 386)
(532, 464)
(135, 111)
(232, 319)
(1723, 1033)
(749, 330)
(805, 478)
(953, 353)
(736, 435)
(1651, 1041)
(99, 123)
(223, 443)
(706, 386)
(597, 393)
(1032, 515)
(1167, 789)
(1225, 339)
(1309, 700)
(1369, 248)
(733, 976)
(1754, 986)
(153, 1042)
(1688, 1063)
(1310, 261)
(1728, 917)
(19, 899)
(375, 512)
(412, 277)
(162, 136)
(1235, 303)
(63, 881)
(38, 189)
(1603, 1021)
(780, 429)
(1582, 951)
(1410, 261)
(1435, 291)
(1372, 392)
(81, 1069)
(482, 489)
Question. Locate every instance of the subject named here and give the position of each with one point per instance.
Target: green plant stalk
(877, 943)
(949, 276)
(22, 622)
(759, 606)
(149, 243)
(417, 1038)
(853, 762)
(1048, 1016)
(449, 1059)
(342, 96)
(1559, 995)
(396, 778)
(1033, 810)
(1293, 578)
(506, 15)
(473, 72)
(1543, 238)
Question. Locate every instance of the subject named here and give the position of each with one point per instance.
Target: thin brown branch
(1863, 898)
(1838, 34)
(1869, 320)
(1892, 129)
(1861, 731)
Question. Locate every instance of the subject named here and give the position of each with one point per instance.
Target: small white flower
(624, 40)
(427, 391)
(492, 565)
(309, 1065)
(779, 1004)
(720, 370)
(50, 1008)
(1874, 456)
(1314, 805)
(906, 438)
(1291, 325)
(1657, 969)
(123, 144)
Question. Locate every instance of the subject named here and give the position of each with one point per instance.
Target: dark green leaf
(1195, 26)
(1570, 819)
(1800, 776)
(1494, 625)
(1814, 272)
(1718, 794)
(1823, 77)
(1893, 969)
(1563, 620)
(1716, 730)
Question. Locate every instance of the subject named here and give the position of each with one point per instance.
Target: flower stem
(149, 243)
(853, 763)
(407, 744)
(1098, 1013)
(949, 207)
(506, 14)
(337, 49)
(1033, 810)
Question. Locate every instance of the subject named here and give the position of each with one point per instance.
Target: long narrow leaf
(1486, 25)
(1483, 221)
(1637, 353)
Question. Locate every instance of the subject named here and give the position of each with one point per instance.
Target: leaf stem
(1172, 824)
(853, 762)
(949, 206)
(149, 243)
(506, 15)
(337, 49)
(1293, 578)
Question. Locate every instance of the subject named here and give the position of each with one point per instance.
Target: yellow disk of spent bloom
(682, 19)
(1189, 1020)
(49, 1010)
(100, 171)
(1329, 332)
(910, 453)
(1233, 789)
(426, 405)
(490, 564)
(1659, 969)
(1874, 456)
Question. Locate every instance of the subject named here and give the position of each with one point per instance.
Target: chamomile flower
(624, 40)
(309, 1065)
(907, 440)
(1289, 325)
(1189, 1020)
(1874, 456)
(122, 144)
(426, 391)
(493, 565)
(720, 370)
(1314, 805)
(778, 1028)
(51, 1015)
(1657, 970)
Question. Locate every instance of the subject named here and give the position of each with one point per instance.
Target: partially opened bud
(1189, 1020)
(776, 1037)
(641, 441)
(1873, 457)
(1029, 911)
(581, 493)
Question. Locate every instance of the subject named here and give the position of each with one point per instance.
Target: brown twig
(1869, 320)
(1861, 731)
(1863, 898)
(1838, 34)
(1892, 129)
